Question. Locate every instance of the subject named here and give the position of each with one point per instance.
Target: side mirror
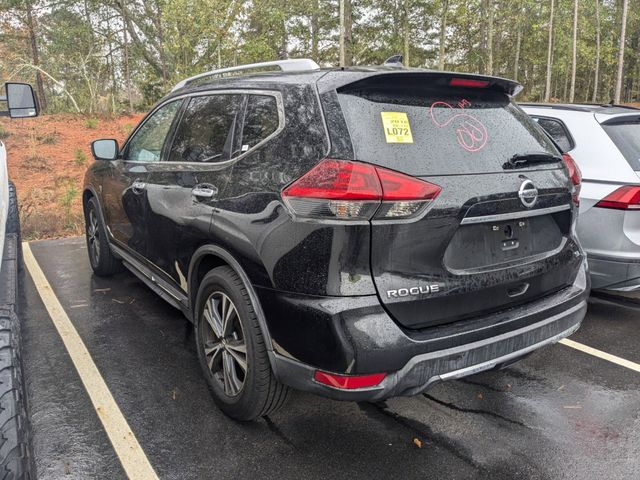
(21, 101)
(106, 149)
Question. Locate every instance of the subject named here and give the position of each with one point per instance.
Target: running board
(167, 292)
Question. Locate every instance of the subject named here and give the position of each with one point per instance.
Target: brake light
(348, 382)
(468, 82)
(576, 176)
(348, 190)
(623, 198)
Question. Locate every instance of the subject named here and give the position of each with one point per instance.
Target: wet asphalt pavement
(560, 413)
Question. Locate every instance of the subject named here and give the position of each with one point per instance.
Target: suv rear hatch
(477, 248)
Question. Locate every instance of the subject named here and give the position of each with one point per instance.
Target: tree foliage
(93, 55)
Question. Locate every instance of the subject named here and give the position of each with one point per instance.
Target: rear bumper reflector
(348, 382)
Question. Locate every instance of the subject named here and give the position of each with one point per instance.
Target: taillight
(576, 176)
(347, 190)
(348, 382)
(623, 198)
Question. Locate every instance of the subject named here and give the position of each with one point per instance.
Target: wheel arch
(209, 257)
(87, 194)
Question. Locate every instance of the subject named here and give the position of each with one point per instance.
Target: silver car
(605, 143)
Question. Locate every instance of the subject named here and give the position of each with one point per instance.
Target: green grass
(91, 123)
(4, 133)
(80, 158)
(50, 138)
(66, 200)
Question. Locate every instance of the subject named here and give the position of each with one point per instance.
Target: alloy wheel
(93, 237)
(224, 344)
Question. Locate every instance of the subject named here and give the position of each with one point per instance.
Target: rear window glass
(626, 136)
(440, 132)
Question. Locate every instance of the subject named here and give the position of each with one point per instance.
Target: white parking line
(133, 459)
(600, 354)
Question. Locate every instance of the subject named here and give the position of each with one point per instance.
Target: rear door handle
(204, 191)
(138, 186)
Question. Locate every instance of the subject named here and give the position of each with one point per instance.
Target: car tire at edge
(104, 263)
(261, 393)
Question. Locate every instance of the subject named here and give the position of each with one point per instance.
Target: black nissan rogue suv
(358, 233)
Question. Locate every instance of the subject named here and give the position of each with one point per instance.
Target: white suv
(16, 458)
(604, 140)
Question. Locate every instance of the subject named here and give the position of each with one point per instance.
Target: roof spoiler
(433, 78)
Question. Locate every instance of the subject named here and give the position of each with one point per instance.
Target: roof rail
(292, 65)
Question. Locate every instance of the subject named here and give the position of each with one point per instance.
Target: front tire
(232, 350)
(103, 263)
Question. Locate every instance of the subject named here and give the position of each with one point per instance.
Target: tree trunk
(443, 32)
(547, 91)
(163, 58)
(136, 40)
(574, 57)
(127, 71)
(516, 61)
(346, 21)
(283, 52)
(112, 67)
(87, 19)
(406, 32)
(623, 32)
(35, 54)
(315, 54)
(596, 74)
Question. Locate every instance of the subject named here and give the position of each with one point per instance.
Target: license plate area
(512, 238)
(486, 245)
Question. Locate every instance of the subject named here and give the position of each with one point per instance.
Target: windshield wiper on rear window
(520, 160)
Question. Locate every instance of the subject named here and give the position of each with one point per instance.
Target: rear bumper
(423, 371)
(368, 341)
(614, 274)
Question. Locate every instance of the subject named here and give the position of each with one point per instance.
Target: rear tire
(233, 354)
(102, 261)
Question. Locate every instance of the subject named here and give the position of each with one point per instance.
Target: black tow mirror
(21, 100)
(106, 149)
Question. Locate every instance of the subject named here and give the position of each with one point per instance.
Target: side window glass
(260, 121)
(557, 131)
(208, 129)
(146, 145)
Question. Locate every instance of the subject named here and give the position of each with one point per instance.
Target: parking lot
(560, 413)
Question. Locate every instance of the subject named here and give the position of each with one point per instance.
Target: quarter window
(261, 120)
(147, 143)
(625, 133)
(557, 131)
(208, 130)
